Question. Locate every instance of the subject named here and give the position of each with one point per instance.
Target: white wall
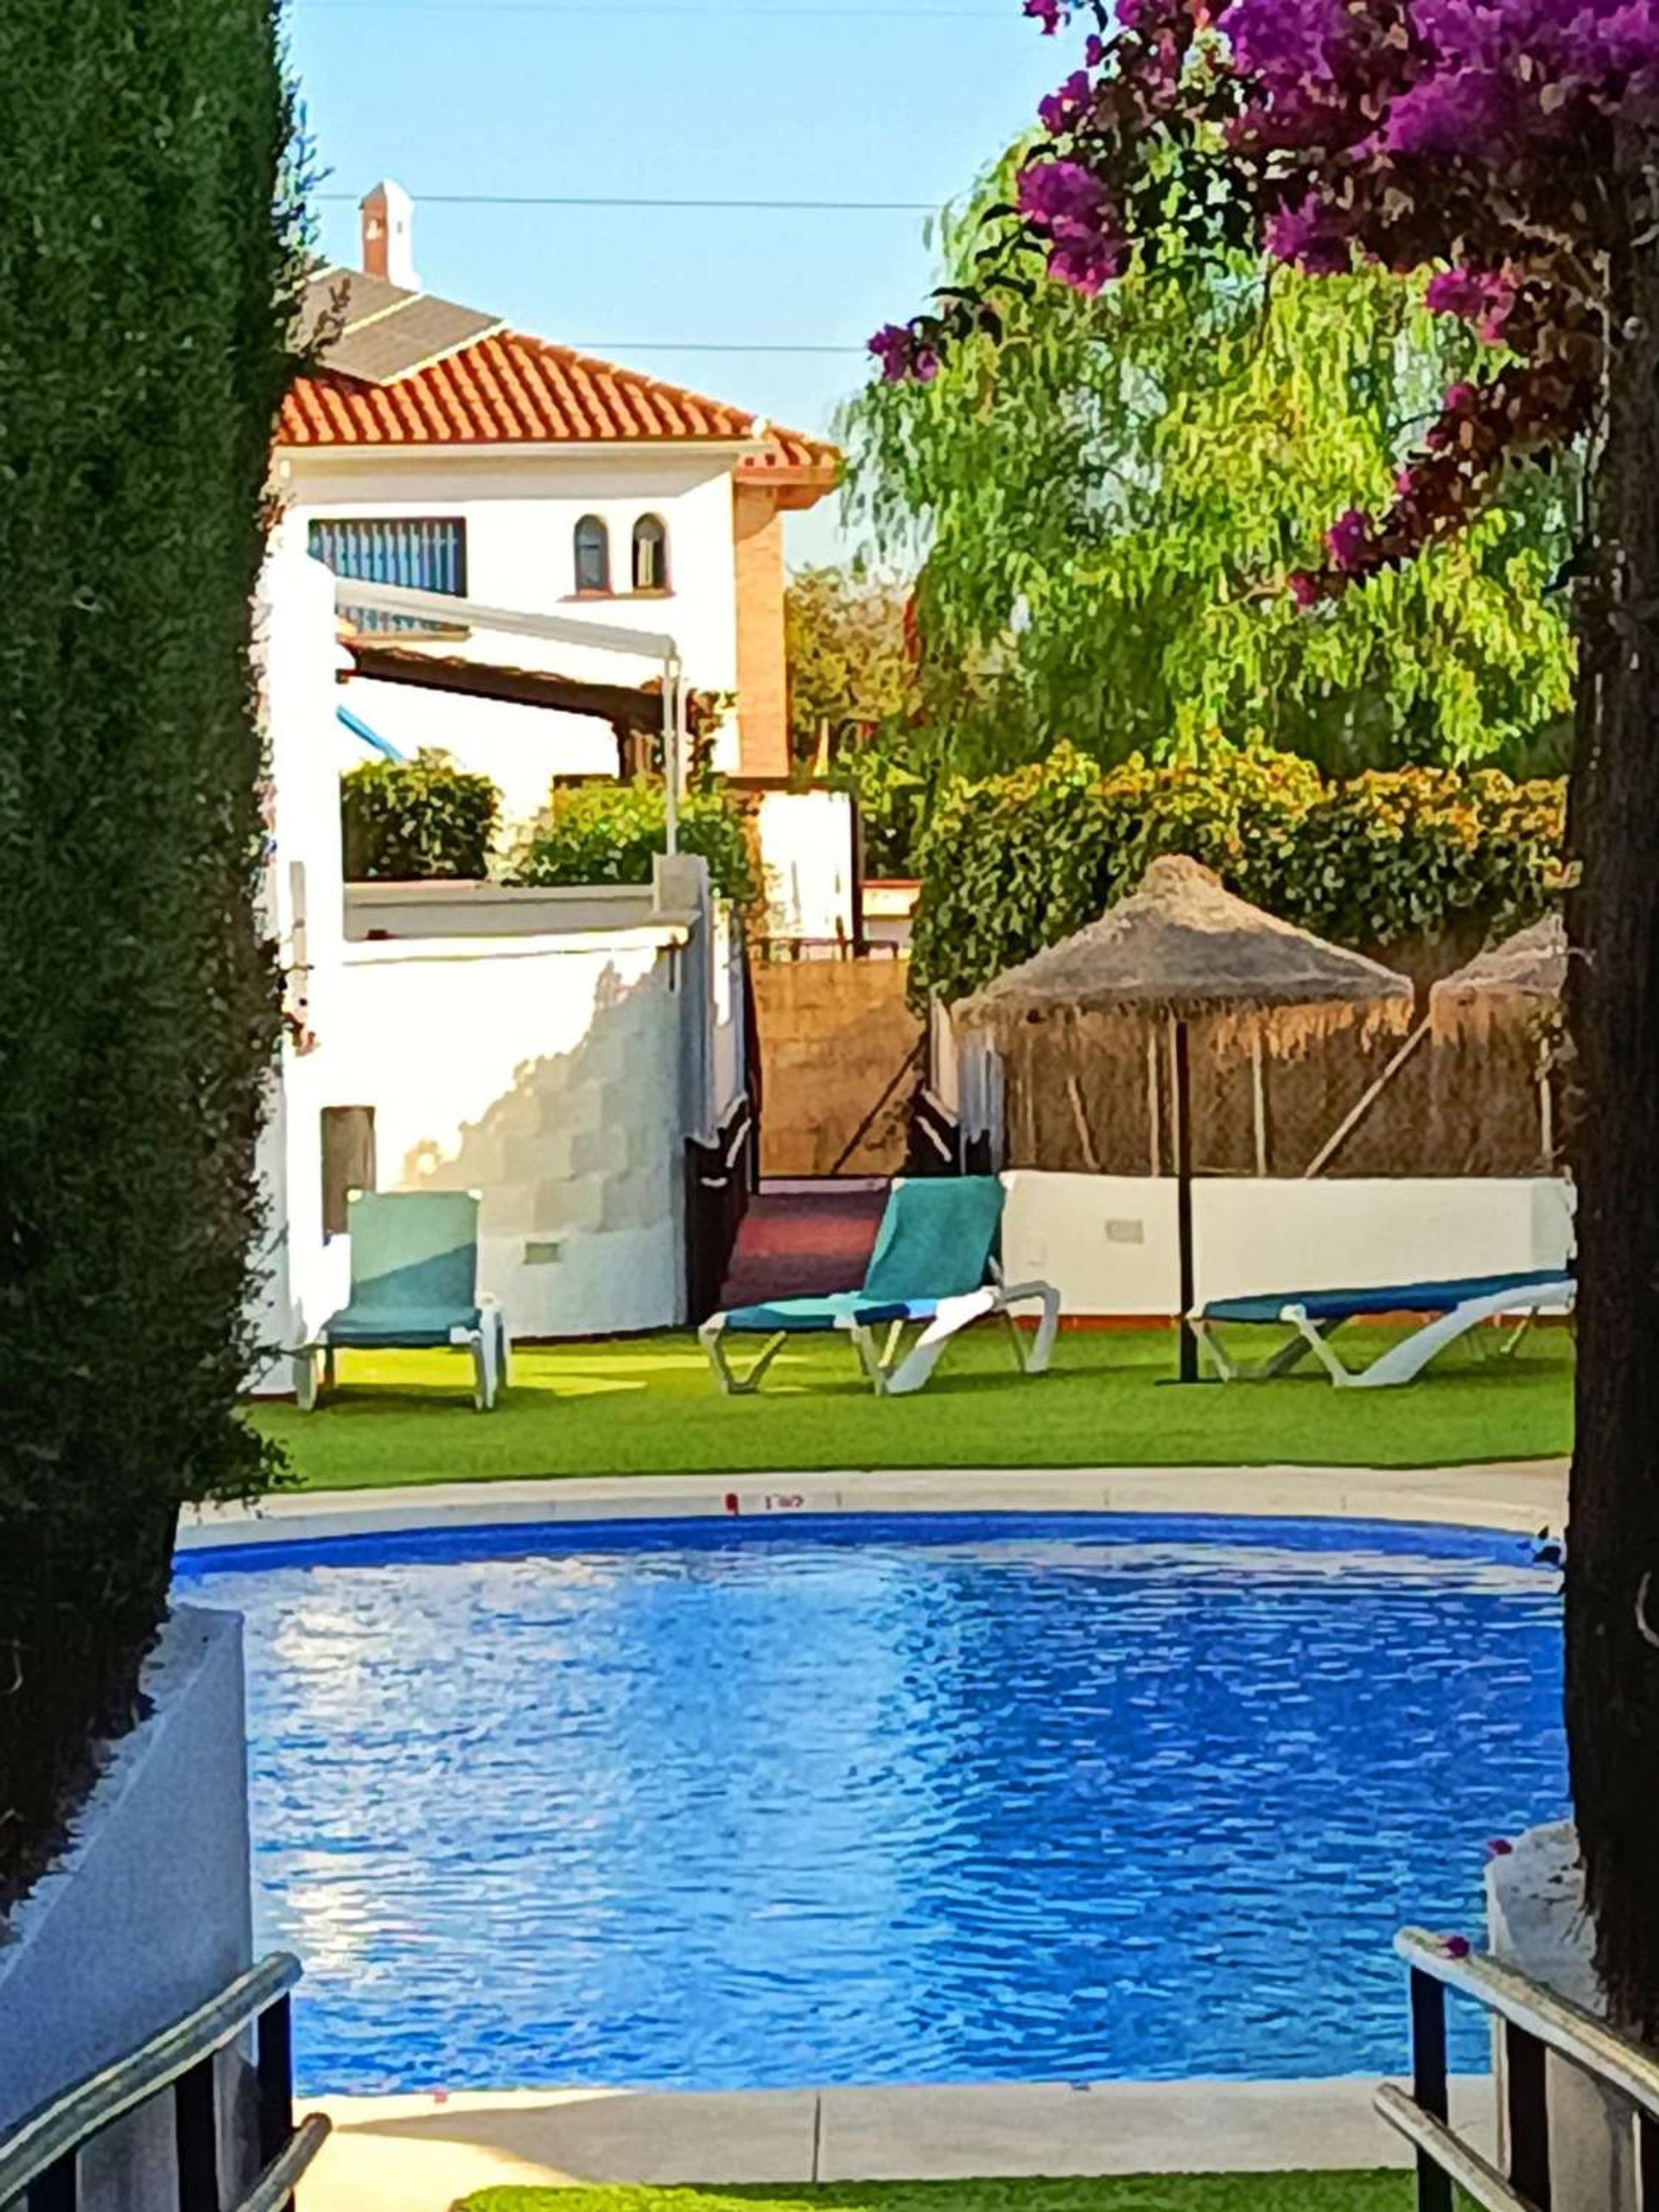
(147, 1914)
(521, 512)
(544, 1073)
(305, 1276)
(1108, 1242)
(806, 852)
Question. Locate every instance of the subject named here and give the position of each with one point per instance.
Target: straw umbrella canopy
(1502, 1003)
(1528, 969)
(1180, 948)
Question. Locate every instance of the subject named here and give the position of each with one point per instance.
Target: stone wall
(834, 1033)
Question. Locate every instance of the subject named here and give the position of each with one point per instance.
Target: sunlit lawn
(1357, 2192)
(650, 1406)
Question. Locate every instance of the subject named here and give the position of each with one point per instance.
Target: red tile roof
(508, 389)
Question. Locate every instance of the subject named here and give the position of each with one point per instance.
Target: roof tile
(510, 389)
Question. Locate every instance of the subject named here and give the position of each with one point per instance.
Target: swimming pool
(764, 1803)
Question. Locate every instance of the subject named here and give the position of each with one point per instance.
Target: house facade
(436, 447)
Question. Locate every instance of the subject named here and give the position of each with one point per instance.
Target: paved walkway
(419, 2154)
(803, 1242)
(1523, 1497)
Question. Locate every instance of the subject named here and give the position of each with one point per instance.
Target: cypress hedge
(148, 271)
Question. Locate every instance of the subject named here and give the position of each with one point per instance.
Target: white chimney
(389, 236)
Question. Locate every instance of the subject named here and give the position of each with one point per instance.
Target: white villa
(437, 448)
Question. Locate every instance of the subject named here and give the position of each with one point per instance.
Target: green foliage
(148, 274)
(1103, 509)
(419, 821)
(844, 635)
(1013, 863)
(613, 833)
(894, 799)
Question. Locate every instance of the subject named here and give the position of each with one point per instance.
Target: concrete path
(1522, 1495)
(418, 2154)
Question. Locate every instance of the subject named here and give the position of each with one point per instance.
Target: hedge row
(1012, 864)
(612, 833)
(150, 264)
(427, 821)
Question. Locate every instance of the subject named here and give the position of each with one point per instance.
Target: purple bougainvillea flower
(1351, 543)
(1455, 1947)
(1066, 106)
(905, 356)
(1304, 587)
(1051, 14)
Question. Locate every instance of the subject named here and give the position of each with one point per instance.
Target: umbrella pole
(1181, 1116)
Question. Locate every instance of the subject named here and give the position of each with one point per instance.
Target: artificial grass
(650, 1406)
(1353, 2192)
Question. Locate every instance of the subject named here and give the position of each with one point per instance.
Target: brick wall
(762, 669)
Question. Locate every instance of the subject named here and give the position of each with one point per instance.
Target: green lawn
(650, 1406)
(1363, 2192)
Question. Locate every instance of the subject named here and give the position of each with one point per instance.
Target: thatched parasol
(1180, 945)
(1178, 949)
(1501, 1005)
(1531, 966)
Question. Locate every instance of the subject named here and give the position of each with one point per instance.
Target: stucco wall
(1108, 1242)
(546, 1073)
(148, 1914)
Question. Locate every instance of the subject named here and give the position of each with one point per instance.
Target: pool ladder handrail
(1534, 2021)
(40, 2160)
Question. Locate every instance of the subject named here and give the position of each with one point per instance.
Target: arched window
(593, 555)
(650, 554)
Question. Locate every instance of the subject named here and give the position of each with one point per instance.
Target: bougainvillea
(1467, 136)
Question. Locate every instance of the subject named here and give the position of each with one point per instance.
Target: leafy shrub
(419, 821)
(1011, 865)
(613, 833)
(150, 276)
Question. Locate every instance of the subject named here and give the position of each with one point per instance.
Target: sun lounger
(414, 1286)
(934, 1264)
(1449, 1309)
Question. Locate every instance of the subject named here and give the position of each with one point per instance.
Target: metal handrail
(1459, 2161)
(1556, 2021)
(274, 2186)
(60, 2128)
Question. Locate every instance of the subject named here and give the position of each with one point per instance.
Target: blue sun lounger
(1450, 1309)
(414, 1286)
(934, 1263)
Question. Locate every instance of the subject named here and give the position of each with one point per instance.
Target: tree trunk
(1612, 1572)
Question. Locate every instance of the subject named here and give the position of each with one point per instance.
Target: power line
(622, 16)
(608, 347)
(573, 200)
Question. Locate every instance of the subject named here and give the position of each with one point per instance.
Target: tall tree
(1095, 495)
(849, 667)
(1514, 147)
(148, 271)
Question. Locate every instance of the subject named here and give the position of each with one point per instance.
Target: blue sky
(805, 99)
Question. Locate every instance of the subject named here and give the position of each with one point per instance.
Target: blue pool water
(751, 1804)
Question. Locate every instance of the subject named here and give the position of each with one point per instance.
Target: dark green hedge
(146, 290)
(419, 821)
(1011, 865)
(612, 833)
